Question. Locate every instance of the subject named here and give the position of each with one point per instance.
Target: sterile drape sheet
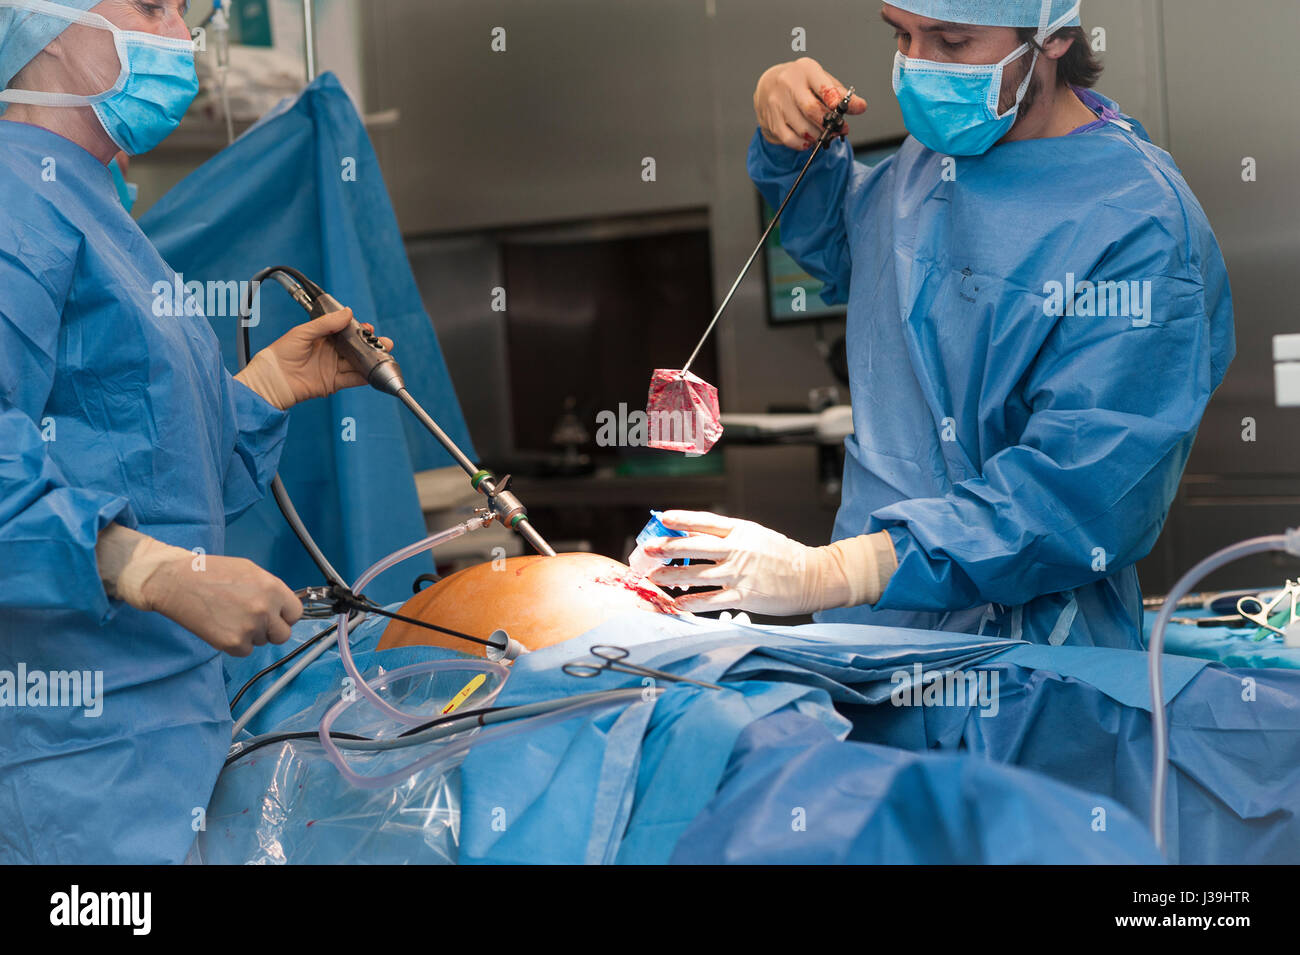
(807, 757)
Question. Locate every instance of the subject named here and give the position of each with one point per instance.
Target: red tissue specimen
(683, 412)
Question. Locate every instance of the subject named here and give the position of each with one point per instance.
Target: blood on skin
(641, 587)
(831, 96)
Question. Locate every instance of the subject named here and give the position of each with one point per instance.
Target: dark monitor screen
(590, 320)
(785, 276)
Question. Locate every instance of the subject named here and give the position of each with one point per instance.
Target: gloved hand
(791, 100)
(765, 572)
(229, 603)
(303, 364)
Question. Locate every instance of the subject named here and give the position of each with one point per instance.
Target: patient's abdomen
(539, 601)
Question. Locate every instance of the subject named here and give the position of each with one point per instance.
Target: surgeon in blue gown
(1038, 314)
(125, 447)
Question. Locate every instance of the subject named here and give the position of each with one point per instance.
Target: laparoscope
(363, 351)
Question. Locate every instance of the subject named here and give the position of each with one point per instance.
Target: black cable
(351, 602)
(279, 663)
(286, 738)
(439, 721)
(345, 598)
(281, 495)
(476, 715)
(314, 290)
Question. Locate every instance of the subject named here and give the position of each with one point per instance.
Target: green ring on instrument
(479, 478)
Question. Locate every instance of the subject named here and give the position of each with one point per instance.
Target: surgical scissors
(613, 658)
(1264, 618)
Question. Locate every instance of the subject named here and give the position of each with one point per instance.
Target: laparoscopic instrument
(612, 658)
(832, 124)
(1223, 602)
(363, 350)
(365, 354)
(1271, 612)
(671, 391)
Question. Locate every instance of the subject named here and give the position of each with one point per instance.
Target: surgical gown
(111, 409)
(1019, 436)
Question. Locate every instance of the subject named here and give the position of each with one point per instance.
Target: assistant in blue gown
(107, 413)
(1021, 461)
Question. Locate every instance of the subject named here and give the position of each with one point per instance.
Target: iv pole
(309, 37)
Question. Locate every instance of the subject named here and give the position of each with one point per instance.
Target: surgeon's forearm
(127, 559)
(856, 571)
(853, 572)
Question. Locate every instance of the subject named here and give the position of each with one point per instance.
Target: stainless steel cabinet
(554, 128)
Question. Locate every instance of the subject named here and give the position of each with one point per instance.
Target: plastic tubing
(303, 662)
(368, 688)
(450, 751)
(312, 655)
(470, 717)
(345, 650)
(1289, 542)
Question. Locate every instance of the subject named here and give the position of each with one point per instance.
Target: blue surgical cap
(996, 13)
(23, 34)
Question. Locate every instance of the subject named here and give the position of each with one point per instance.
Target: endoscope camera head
(364, 351)
(361, 349)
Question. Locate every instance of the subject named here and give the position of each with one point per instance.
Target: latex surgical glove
(228, 602)
(762, 571)
(791, 100)
(303, 364)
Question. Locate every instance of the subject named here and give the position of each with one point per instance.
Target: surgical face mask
(952, 108)
(142, 104)
(161, 84)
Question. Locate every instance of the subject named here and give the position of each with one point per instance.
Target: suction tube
(1288, 542)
